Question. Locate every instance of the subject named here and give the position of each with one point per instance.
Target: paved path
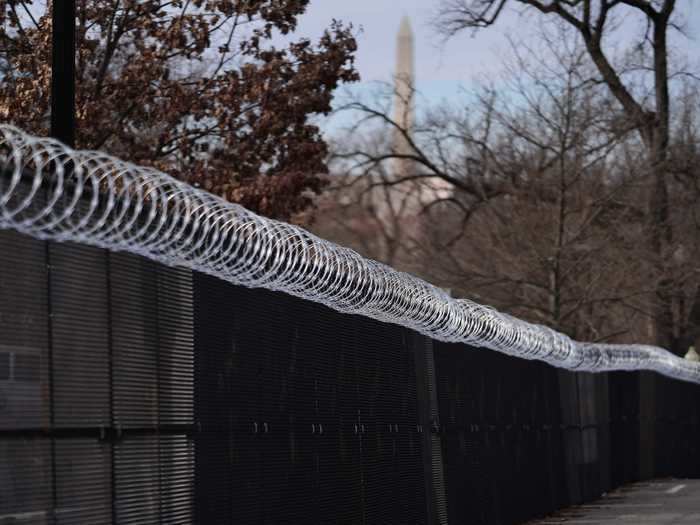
(658, 502)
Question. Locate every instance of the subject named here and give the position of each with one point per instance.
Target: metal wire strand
(50, 191)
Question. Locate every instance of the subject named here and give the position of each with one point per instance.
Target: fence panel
(95, 394)
(624, 427)
(676, 427)
(135, 393)
(323, 408)
(501, 442)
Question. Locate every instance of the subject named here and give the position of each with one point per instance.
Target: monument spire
(404, 76)
(403, 95)
(428, 189)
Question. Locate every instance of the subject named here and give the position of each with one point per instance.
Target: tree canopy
(195, 88)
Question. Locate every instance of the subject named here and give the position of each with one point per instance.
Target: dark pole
(63, 72)
(63, 129)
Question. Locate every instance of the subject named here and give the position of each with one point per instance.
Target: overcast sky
(441, 69)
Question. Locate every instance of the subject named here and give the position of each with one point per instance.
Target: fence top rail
(52, 192)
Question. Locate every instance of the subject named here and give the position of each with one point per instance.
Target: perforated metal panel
(135, 393)
(96, 397)
(304, 415)
(677, 428)
(500, 423)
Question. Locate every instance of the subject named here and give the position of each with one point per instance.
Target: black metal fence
(135, 393)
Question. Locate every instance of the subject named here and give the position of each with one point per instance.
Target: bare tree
(681, 266)
(592, 21)
(557, 248)
(546, 215)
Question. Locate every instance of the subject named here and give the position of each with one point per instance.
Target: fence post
(571, 434)
(426, 388)
(603, 423)
(63, 72)
(647, 417)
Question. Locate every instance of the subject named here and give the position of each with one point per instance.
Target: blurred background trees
(565, 193)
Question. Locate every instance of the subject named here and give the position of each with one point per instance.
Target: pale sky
(442, 69)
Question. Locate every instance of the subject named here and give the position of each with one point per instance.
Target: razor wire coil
(52, 192)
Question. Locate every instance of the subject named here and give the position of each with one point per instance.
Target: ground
(658, 502)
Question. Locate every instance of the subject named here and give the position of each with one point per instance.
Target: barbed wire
(52, 192)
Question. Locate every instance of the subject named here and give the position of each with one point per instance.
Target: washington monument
(404, 76)
(428, 189)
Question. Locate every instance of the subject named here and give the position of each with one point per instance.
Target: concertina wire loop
(52, 192)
